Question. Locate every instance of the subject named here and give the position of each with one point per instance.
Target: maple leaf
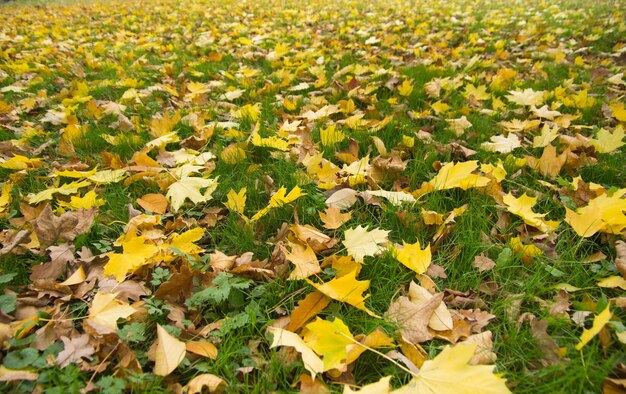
(170, 352)
(330, 341)
(333, 218)
(190, 188)
(413, 318)
(209, 381)
(604, 213)
(236, 200)
(598, 323)
(153, 202)
(450, 373)
(522, 207)
(502, 144)
(395, 198)
(331, 136)
(453, 175)
(308, 307)
(526, 98)
(360, 243)
(74, 350)
(346, 289)
(406, 88)
(105, 310)
(547, 136)
(65, 189)
(5, 197)
(441, 319)
(184, 243)
(383, 386)
(607, 142)
(414, 257)
(303, 257)
(311, 361)
(136, 253)
(279, 199)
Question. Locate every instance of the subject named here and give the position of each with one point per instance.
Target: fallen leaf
(346, 289)
(329, 340)
(360, 242)
(311, 361)
(170, 352)
(598, 323)
(412, 318)
(307, 308)
(153, 202)
(209, 381)
(414, 257)
(105, 310)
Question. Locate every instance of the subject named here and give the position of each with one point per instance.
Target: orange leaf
(308, 307)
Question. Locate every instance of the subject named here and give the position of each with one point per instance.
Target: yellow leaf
(527, 252)
(346, 289)
(413, 257)
(311, 361)
(201, 348)
(185, 242)
(269, 142)
(308, 307)
(395, 198)
(607, 142)
(479, 92)
(360, 243)
(90, 199)
(279, 199)
(383, 386)
(598, 323)
(153, 202)
(136, 253)
(189, 188)
(233, 154)
(522, 207)
(502, 144)
(547, 135)
(236, 200)
(613, 281)
(603, 213)
(209, 381)
(331, 136)
(405, 88)
(5, 197)
(333, 218)
(77, 277)
(76, 174)
(453, 175)
(170, 352)
(65, 189)
(619, 112)
(440, 107)
(108, 176)
(105, 310)
(329, 340)
(19, 162)
(303, 257)
(526, 98)
(450, 373)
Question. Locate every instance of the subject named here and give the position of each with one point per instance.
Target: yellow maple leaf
(383, 386)
(502, 144)
(331, 136)
(406, 88)
(607, 142)
(450, 373)
(598, 323)
(233, 154)
(184, 243)
(330, 341)
(5, 197)
(333, 218)
(619, 112)
(346, 289)
(453, 175)
(522, 207)
(279, 199)
(479, 92)
(527, 98)
(526, 252)
(19, 162)
(65, 189)
(414, 257)
(105, 310)
(440, 107)
(269, 142)
(170, 352)
(303, 257)
(136, 253)
(90, 199)
(604, 213)
(311, 361)
(360, 243)
(236, 200)
(190, 188)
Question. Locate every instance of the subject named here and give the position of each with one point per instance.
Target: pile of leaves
(328, 196)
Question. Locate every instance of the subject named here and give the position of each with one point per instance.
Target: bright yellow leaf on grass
(607, 142)
(598, 323)
(619, 112)
(329, 340)
(105, 310)
(360, 243)
(233, 154)
(304, 259)
(346, 289)
(236, 200)
(414, 257)
(279, 199)
(269, 142)
(19, 162)
(311, 361)
(527, 98)
(405, 88)
(190, 188)
(90, 199)
(5, 197)
(383, 386)
(185, 243)
(603, 214)
(331, 135)
(450, 373)
(136, 252)
(453, 175)
(440, 107)
(479, 92)
(170, 352)
(522, 207)
(65, 189)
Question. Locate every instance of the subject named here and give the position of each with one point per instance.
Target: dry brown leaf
(483, 263)
(620, 258)
(412, 319)
(211, 382)
(50, 227)
(74, 350)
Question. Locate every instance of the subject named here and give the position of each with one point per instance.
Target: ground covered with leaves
(341, 196)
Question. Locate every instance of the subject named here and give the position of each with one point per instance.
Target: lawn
(326, 196)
